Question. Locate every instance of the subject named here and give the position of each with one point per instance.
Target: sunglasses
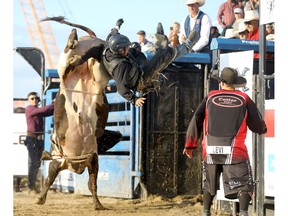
(34, 98)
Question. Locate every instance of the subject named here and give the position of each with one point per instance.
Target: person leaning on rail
(34, 140)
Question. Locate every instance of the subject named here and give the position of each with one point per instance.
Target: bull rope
(59, 151)
(79, 91)
(78, 159)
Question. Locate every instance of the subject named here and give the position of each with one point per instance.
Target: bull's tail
(61, 19)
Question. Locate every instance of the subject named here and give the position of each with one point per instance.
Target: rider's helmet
(117, 42)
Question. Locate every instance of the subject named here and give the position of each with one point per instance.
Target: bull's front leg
(54, 169)
(93, 173)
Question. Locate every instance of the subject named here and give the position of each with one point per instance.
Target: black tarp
(166, 118)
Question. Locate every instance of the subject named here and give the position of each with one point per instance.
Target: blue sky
(101, 17)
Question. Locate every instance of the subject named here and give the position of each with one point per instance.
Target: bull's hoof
(40, 201)
(100, 207)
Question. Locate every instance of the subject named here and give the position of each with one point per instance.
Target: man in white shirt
(147, 47)
(200, 22)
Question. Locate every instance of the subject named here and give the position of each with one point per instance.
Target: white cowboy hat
(251, 15)
(241, 27)
(229, 33)
(200, 2)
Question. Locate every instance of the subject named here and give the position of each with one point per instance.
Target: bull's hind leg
(54, 169)
(93, 172)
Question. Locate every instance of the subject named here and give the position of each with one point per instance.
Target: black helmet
(135, 45)
(118, 42)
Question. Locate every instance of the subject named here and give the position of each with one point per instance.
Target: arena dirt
(61, 204)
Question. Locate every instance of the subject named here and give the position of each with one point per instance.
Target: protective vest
(222, 135)
(111, 65)
(197, 27)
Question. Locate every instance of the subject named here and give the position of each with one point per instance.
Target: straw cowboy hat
(200, 2)
(241, 27)
(230, 77)
(251, 15)
(229, 33)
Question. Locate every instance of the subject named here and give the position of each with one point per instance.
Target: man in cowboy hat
(199, 22)
(251, 20)
(226, 113)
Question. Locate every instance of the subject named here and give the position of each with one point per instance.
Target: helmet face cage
(118, 42)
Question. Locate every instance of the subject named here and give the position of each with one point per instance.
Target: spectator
(242, 31)
(247, 6)
(241, 3)
(198, 21)
(225, 115)
(176, 28)
(174, 34)
(214, 32)
(270, 32)
(174, 40)
(255, 5)
(147, 47)
(251, 20)
(239, 17)
(225, 14)
(238, 14)
(34, 140)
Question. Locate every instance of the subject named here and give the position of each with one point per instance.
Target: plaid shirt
(226, 15)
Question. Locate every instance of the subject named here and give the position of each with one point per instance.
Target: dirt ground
(61, 204)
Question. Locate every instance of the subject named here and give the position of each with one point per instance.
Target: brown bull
(80, 116)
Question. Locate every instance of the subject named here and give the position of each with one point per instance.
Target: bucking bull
(80, 114)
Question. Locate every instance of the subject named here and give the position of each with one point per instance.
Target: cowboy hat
(229, 33)
(241, 27)
(251, 15)
(230, 77)
(200, 2)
